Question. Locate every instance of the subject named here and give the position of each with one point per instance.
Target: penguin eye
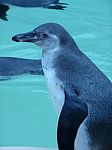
(41, 35)
(44, 35)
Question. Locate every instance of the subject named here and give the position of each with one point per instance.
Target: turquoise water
(27, 116)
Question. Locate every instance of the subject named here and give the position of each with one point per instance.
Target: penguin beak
(25, 37)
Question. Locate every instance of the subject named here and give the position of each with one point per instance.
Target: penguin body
(81, 79)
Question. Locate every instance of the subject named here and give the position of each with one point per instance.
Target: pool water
(27, 115)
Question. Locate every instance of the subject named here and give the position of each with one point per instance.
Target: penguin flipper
(57, 7)
(62, 3)
(12, 66)
(73, 113)
(3, 10)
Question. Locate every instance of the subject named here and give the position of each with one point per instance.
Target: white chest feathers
(55, 86)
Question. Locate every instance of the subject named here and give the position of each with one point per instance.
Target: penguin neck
(50, 50)
(61, 50)
(48, 56)
(52, 47)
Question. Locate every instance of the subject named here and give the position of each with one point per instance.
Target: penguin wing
(73, 113)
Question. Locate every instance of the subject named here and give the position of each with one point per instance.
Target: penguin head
(46, 36)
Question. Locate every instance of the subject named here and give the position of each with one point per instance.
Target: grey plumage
(81, 78)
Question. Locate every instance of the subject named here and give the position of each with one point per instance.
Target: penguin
(32, 3)
(12, 66)
(49, 4)
(68, 70)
